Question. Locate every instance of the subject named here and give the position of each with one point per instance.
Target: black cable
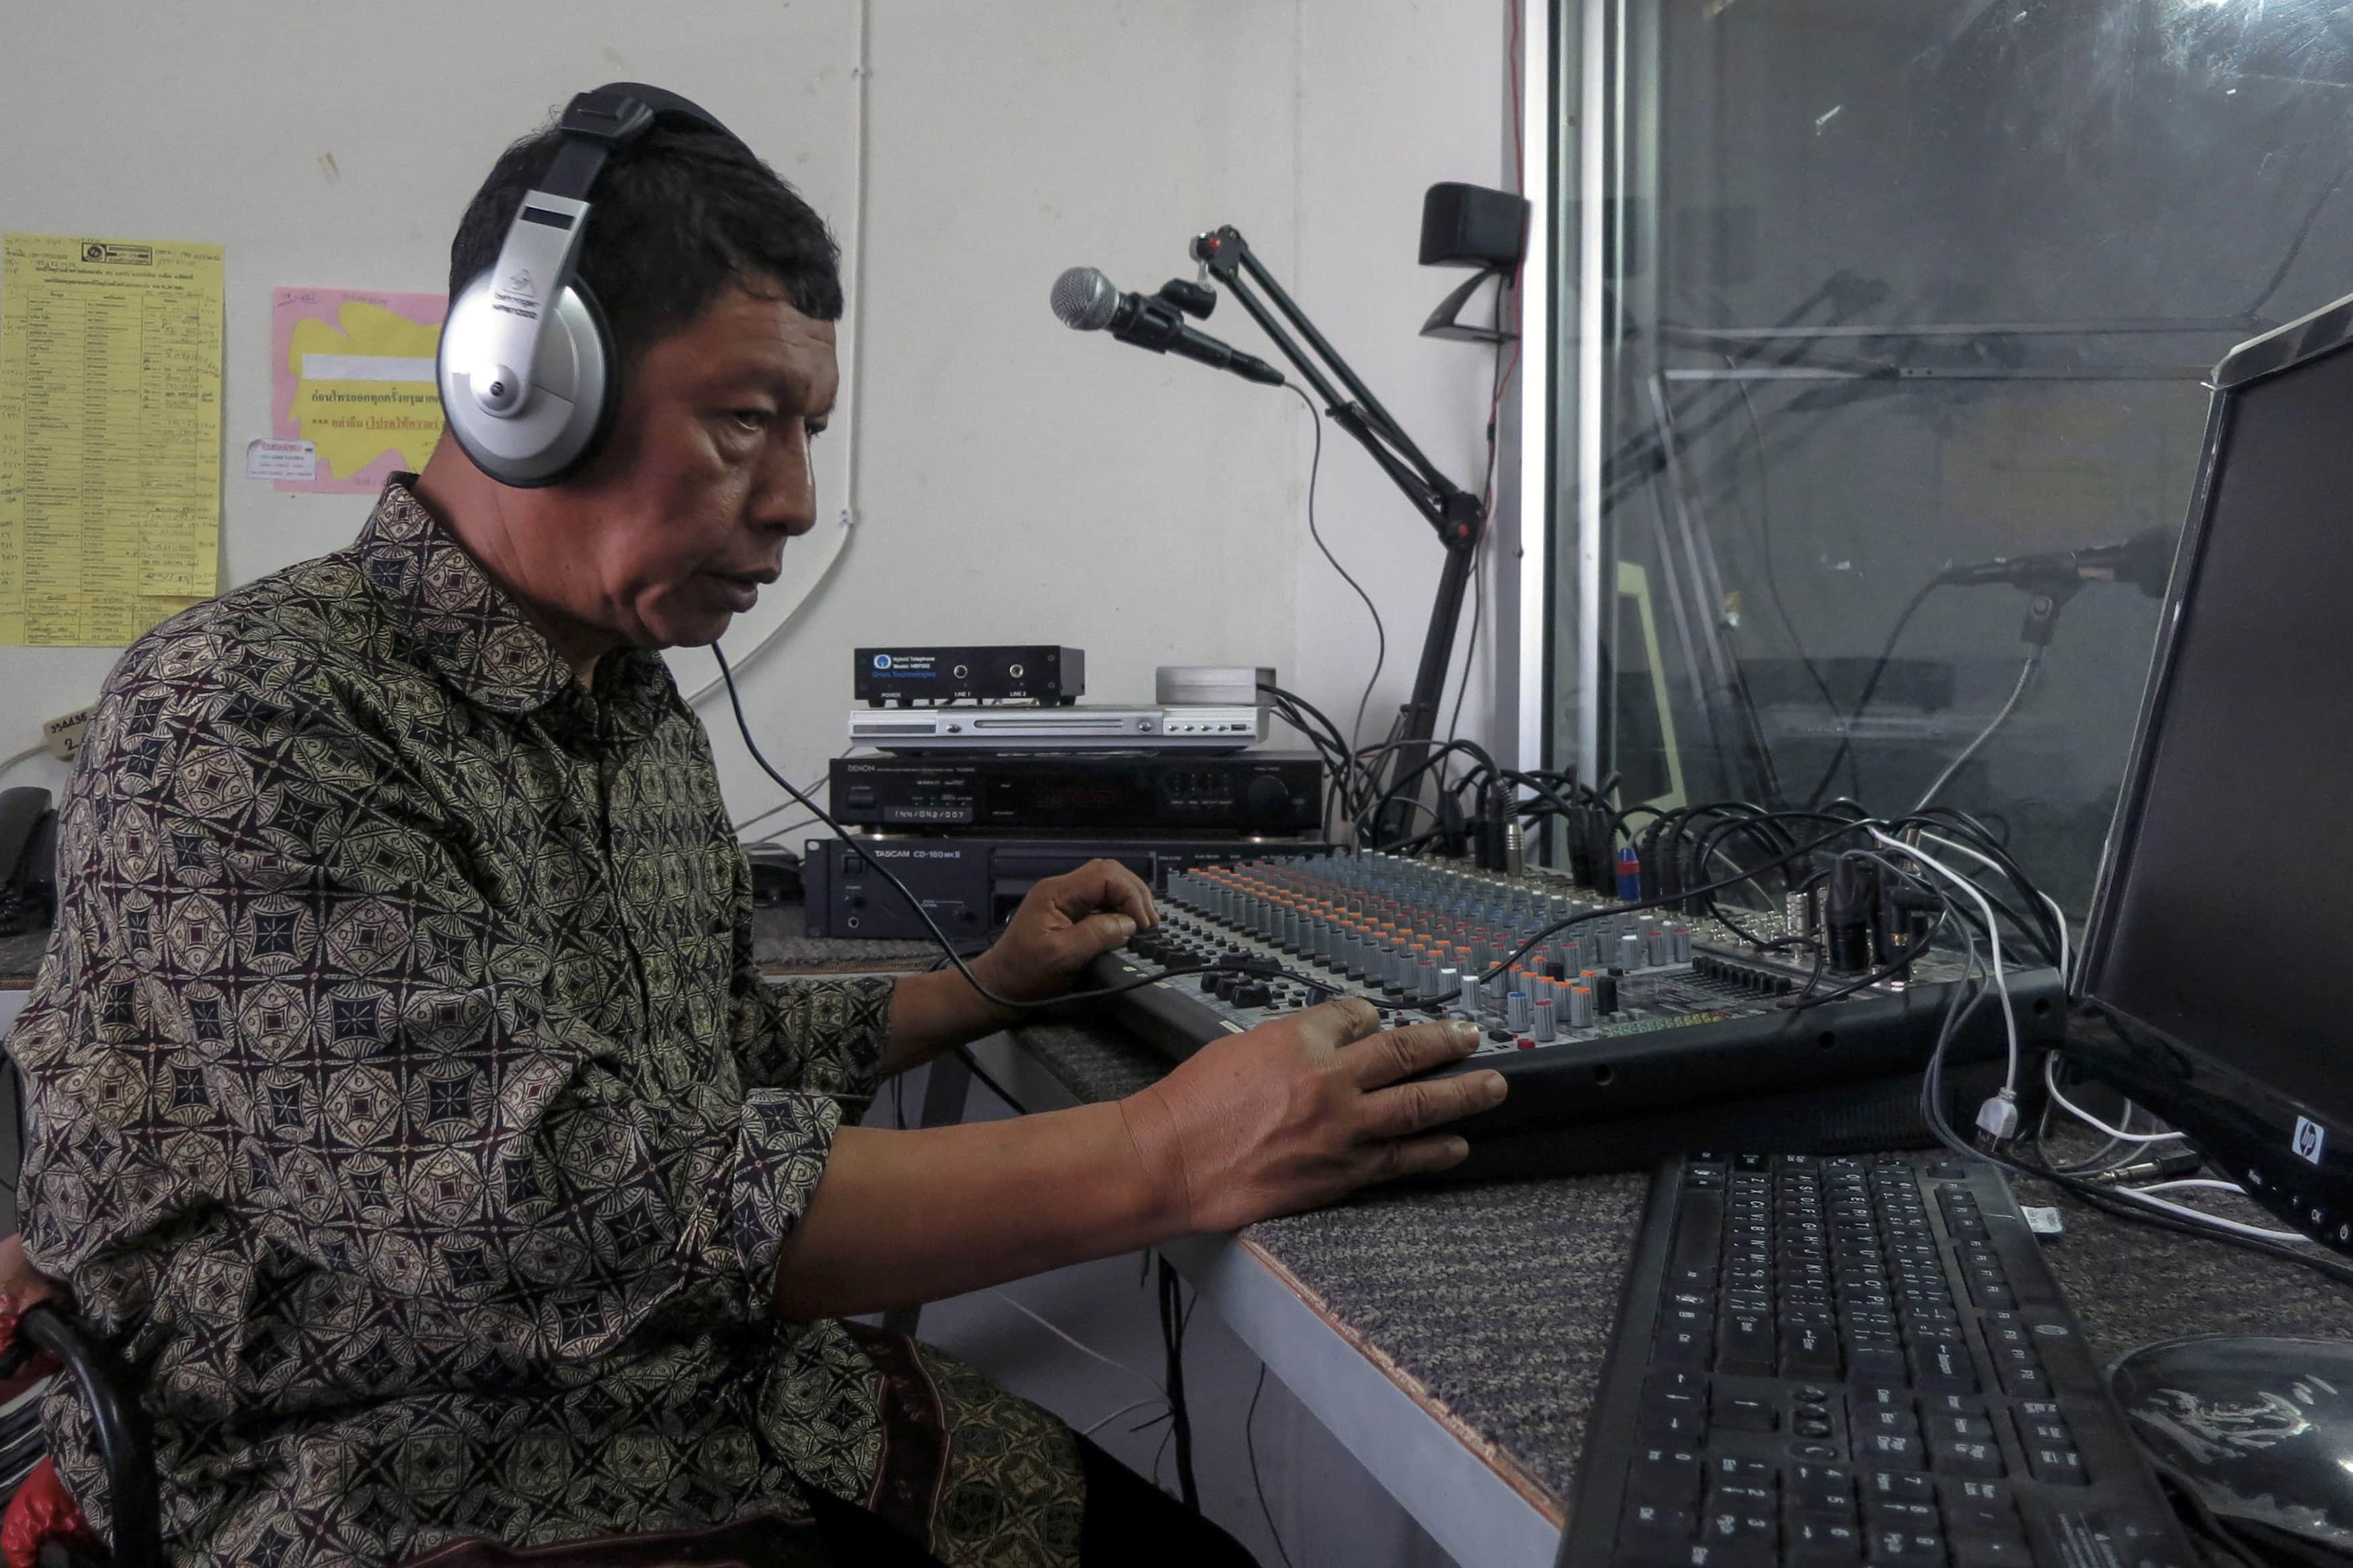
(972, 1065)
(1765, 538)
(1257, 968)
(1610, 911)
(1250, 1443)
(2296, 245)
(1180, 1419)
(1495, 385)
(1932, 1111)
(1845, 752)
(1380, 632)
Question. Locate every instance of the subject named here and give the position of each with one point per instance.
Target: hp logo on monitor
(2309, 1136)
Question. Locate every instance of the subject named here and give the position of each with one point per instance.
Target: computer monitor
(2217, 947)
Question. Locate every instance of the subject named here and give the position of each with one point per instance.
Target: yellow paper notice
(109, 436)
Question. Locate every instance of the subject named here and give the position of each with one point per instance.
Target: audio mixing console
(1630, 1036)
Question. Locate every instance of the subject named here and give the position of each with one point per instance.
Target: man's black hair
(679, 217)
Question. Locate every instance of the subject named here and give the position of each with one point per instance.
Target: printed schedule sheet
(109, 436)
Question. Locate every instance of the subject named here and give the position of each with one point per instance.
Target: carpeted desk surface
(1500, 1299)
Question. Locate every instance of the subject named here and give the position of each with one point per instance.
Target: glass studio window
(1885, 288)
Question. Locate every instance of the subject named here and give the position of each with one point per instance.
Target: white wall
(1016, 481)
(1394, 97)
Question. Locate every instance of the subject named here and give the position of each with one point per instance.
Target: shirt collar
(473, 634)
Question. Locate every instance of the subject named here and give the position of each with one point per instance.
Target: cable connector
(2163, 1167)
(1998, 1117)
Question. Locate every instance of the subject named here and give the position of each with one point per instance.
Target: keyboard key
(1903, 1546)
(1683, 1344)
(1821, 1543)
(1875, 1366)
(1674, 1418)
(1868, 1415)
(1810, 1350)
(1942, 1429)
(1973, 1551)
(2025, 1382)
(1655, 1522)
(1743, 1413)
(1952, 1405)
(1896, 1450)
(1698, 1227)
(1975, 1459)
(2059, 1467)
(2040, 1422)
(1665, 1475)
(1744, 1344)
(1913, 1517)
(1942, 1366)
(1824, 1490)
(1898, 1485)
(1676, 1382)
(1731, 1470)
(1980, 1506)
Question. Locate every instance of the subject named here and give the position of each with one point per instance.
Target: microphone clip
(1195, 300)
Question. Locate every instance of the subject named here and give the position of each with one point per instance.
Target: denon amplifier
(1075, 793)
(972, 886)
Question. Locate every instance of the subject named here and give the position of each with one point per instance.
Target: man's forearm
(936, 1012)
(906, 1218)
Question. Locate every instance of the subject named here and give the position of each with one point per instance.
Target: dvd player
(1073, 729)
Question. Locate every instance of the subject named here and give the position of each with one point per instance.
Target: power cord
(2109, 1201)
(1380, 632)
(972, 1065)
(1173, 1319)
(1258, 1485)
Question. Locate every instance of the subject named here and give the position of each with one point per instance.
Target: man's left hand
(1063, 922)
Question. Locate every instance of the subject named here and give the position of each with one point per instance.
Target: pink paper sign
(352, 372)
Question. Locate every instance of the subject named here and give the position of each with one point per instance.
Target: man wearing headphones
(406, 1107)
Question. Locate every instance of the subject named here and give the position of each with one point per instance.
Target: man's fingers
(1100, 934)
(1335, 1024)
(1103, 885)
(1401, 1053)
(1416, 1107)
(1410, 1157)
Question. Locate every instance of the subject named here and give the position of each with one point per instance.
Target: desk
(1452, 1338)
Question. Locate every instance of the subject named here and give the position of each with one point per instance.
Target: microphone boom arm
(1458, 516)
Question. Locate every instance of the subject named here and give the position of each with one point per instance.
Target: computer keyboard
(1824, 1362)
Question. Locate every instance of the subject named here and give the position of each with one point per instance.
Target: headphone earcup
(576, 389)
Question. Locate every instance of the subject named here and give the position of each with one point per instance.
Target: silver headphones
(529, 381)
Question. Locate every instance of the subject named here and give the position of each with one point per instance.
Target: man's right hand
(1301, 1112)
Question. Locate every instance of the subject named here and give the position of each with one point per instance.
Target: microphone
(1085, 300)
(2145, 561)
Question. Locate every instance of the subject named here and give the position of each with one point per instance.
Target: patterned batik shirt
(406, 1107)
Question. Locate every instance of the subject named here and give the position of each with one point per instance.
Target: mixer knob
(1518, 1017)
